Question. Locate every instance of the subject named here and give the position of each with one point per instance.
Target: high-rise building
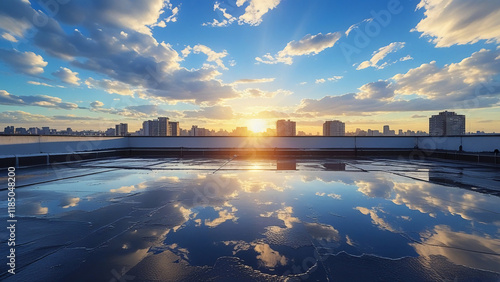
(175, 129)
(333, 128)
(388, 131)
(45, 130)
(446, 123)
(8, 130)
(163, 126)
(285, 128)
(121, 129)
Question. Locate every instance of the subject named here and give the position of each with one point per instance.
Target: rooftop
(145, 219)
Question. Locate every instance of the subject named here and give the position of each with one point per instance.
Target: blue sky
(220, 64)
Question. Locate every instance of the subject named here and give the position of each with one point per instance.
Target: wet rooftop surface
(158, 219)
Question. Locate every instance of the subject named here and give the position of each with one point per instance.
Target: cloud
(334, 78)
(37, 100)
(418, 116)
(213, 112)
(308, 45)
(225, 214)
(356, 25)
(450, 22)
(406, 58)
(27, 63)
(68, 76)
(380, 54)
(118, 44)
(20, 116)
(469, 83)
(110, 86)
(255, 93)
(257, 80)
(376, 90)
(227, 18)
(9, 37)
(44, 84)
(256, 10)
(212, 55)
(321, 231)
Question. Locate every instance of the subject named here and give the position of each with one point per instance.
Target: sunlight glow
(257, 125)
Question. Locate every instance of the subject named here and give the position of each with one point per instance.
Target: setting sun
(257, 125)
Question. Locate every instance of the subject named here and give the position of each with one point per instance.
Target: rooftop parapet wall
(27, 145)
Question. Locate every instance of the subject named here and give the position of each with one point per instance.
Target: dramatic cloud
(469, 83)
(118, 44)
(38, 100)
(26, 63)
(380, 54)
(450, 22)
(68, 76)
(308, 45)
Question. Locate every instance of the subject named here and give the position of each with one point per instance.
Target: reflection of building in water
(286, 164)
(334, 166)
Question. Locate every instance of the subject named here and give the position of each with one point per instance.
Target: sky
(90, 64)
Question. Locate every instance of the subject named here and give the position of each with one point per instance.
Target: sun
(257, 125)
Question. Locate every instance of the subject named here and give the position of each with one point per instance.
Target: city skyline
(229, 64)
(443, 124)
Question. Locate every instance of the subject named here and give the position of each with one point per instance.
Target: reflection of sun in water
(257, 125)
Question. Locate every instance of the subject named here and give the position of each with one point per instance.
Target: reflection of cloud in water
(331, 195)
(432, 199)
(285, 214)
(380, 188)
(128, 189)
(376, 219)
(269, 257)
(35, 208)
(70, 202)
(225, 214)
(349, 241)
(484, 251)
(322, 231)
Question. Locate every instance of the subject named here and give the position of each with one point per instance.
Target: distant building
(33, 130)
(121, 129)
(151, 128)
(333, 128)
(388, 131)
(198, 131)
(8, 130)
(110, 132)
(175, 129)
(21, 130)
(446, 123)
(240, 131)
(45, 130)
(163, 126)
(285, 128)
